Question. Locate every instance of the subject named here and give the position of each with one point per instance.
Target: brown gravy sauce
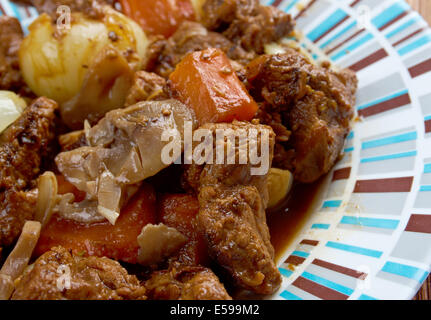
(286, 221)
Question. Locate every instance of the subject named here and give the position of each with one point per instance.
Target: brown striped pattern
(402, 15)
(428, 126)
(27, 12)
(318, 290)
(345, 41)
(339, 269)
(373, 58)
(276, 3)
(332, 28)
(411, 35)
(295, 260)
(301, 13)
(385, 106)
(310, 242)
(354, 3)
(341, 174)
(420, 68)
(419, 223)
(384, 185)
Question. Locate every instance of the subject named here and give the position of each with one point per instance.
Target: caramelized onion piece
(104, 88)
(6, 286)
(158, 242)
(84, 211)
(18, 259)
(47, 197)
(124, 148)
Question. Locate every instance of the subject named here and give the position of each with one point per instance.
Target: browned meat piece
(92, 8)
(91, 278)
(191, 177)
(191, 36)
(154, 50)
(315, 104)
(218, 14)
(146, 86)
(182, 282)
(11, 36)
(252, 33)
(22, 147)
(15, 208)
(280, 80)
(272, 118)
(247, 23)
(24, 143)
(232, 216)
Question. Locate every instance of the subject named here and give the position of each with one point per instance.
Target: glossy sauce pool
(287, 220)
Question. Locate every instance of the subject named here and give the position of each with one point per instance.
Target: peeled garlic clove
(279, 184)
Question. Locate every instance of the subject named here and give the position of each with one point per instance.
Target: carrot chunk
(159, 17)
(179, 211)
(117, 241)
(205, 81)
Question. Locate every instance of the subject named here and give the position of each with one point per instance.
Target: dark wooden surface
(424, 8)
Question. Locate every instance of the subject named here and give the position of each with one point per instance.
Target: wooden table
(424, 8)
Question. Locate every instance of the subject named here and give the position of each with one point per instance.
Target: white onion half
(54, 62)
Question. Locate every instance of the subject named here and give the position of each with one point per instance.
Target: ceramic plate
(370, 236)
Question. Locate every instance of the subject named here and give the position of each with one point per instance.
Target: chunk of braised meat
(247, 23)
(164, 55)
(274, 119)
(91, 278)
(183, 282)
(219, 14)
(315, 104)
(253, 33)
(279, 80)
(232, 215)
(146, 86)
(91, 8)
(16, 207)
(23, 145)
(11, 36)
(318, 135)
